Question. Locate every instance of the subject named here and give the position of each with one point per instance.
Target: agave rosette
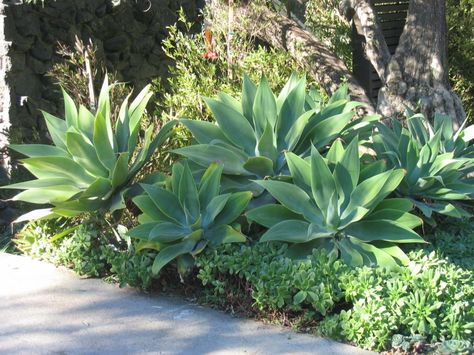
(90, 164)
(252, 135)
(180, 218)
(340, 207)
(435, 159)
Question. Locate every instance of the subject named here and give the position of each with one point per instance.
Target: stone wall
(128, 34)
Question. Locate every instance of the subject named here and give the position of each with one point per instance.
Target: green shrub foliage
(436, 159)
(252, 134)
(333, 204)
(275, 281)
(430, 298)
(91, 164)
(181, 218)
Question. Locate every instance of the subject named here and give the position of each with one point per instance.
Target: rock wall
(128, 34)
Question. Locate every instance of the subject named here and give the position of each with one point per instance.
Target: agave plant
(436, 160)
(181, 218)
(90, 165)
(252, 134)
(339, 207)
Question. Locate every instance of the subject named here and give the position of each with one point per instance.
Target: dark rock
(42, 51)
(136, 60)
(101, 10)
(60, 23)
(30, 27)
(84, 17)
(18, 60)
(6, 216)
(113, 57)
(22, 44)
(144, 45)
(117, 44)
(26, 83)
(38, 66)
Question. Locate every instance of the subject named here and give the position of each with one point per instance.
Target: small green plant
(340, 208)
(82, 248)
(181, 218)
(436, 160)
(431, 298)
(275, 281)
(129, 267)
(91, 165)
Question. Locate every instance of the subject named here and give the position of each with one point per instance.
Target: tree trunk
(417, 74)
(317, 59)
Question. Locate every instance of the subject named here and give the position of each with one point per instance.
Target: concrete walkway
(45, 310)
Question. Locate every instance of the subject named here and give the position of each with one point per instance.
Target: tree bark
(320, 62)
(416, 76)
(366, 22)
(418, 71)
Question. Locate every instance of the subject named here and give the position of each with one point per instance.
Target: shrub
(436, 160)
(91, 165)
(89, 249)
(253, 133)
(193, 77)
(323, 19)
(340, 208)
(181, 218)
(460, 20)
(275, 281)
(80, 247)
(430, 297)
(130, 267)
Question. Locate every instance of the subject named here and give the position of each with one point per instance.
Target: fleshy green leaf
(206, 154)
(260, 166)
(209, 186)
(386, 230)
(85, 154)
(292, 231)
(70, 110)
(269, 215)
(103, 142)
(264, 107)
(166, 202)
(171, 252)
(236, 204)
(38, 150)
(292, 197)
(234, 125)
(120, 171)
(204, 132)
(323, 185)
(57, 129)
(224, 234)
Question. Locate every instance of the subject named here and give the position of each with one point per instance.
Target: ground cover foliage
(289, 207)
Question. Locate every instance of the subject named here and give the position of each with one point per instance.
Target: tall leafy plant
(92, 162)
(180, 218)
(436, 159)
(253, 133)
(340, 207)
